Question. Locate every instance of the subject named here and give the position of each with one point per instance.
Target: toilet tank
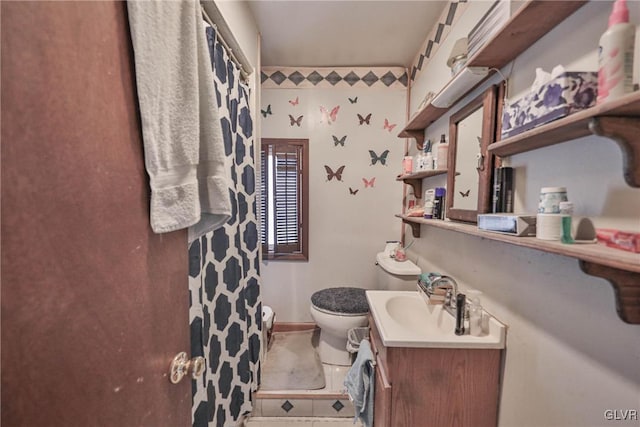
(392, 275)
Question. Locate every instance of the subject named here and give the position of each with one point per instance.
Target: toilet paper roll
(549, 226)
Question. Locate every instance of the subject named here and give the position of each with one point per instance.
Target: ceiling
(311, 33)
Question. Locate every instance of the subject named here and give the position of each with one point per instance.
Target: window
(284, 190)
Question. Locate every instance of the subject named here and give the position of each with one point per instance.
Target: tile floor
(326, 407)
(334, 379)
(330, 401)
(300, 422)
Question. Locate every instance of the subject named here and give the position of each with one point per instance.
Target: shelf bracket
(626, 285)
(626, 132)
(415, 228)
(418, 135)
(416, 184)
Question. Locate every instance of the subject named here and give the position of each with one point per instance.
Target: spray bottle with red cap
(615, 55)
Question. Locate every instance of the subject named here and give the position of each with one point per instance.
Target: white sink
(404, 319)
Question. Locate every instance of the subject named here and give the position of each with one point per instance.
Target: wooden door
(94, 305)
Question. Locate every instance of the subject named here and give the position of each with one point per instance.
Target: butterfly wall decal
(364, 119)
(340, 141)
(329, 117)
(266, 112)
(353, 100)
(297, 121)
(337, 174)
(465, 194)
(294, 102)
(388, 126)
(369, 183)
(382, 158)
(352, 191)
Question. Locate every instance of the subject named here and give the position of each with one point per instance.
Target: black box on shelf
(502, 198)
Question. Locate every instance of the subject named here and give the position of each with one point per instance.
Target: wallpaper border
(438, 34)
(333, 77)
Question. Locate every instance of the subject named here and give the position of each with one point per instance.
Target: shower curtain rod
(224, 34)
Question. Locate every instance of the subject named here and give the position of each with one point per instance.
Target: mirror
(471, 130)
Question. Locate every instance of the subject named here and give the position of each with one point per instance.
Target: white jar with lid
(550, 198)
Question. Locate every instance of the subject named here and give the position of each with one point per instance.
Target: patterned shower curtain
(225, 312)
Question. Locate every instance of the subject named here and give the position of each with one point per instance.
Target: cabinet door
(382, 398)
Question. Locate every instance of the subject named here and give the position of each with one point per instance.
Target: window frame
(299, 251)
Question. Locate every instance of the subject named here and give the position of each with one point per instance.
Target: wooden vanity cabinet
(435, 386)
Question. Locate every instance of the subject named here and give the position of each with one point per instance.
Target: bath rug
(292, 362)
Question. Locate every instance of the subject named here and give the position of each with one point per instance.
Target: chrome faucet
(450, 300)
(448, 283)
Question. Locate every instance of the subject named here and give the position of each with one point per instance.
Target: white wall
(569, 357)
(243, 25)
(346, 231)
(435, 74)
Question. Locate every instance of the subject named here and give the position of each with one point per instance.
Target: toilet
(392, 275)
(336, 310)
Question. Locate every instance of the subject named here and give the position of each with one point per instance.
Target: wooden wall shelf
(415, 180)
(618, 120)
(419, 122)
(421, 174)
(534, 19)
(620, 268)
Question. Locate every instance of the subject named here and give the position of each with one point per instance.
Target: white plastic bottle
(418, 161)
(615, 55)
(443, 150)
(428, 161)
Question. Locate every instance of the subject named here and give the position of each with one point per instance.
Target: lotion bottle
(443, 150)
(615, 55)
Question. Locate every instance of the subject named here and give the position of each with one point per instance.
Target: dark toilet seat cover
(341, 300)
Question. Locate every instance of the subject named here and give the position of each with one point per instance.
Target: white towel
(183, 145)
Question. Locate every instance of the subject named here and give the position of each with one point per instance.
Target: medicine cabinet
(618, 120)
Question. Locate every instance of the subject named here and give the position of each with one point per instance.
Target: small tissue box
(564, 94)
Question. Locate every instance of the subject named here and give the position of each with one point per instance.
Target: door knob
(181, 366)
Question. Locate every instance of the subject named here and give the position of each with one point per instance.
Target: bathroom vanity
(435, 386)
(430, 383)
